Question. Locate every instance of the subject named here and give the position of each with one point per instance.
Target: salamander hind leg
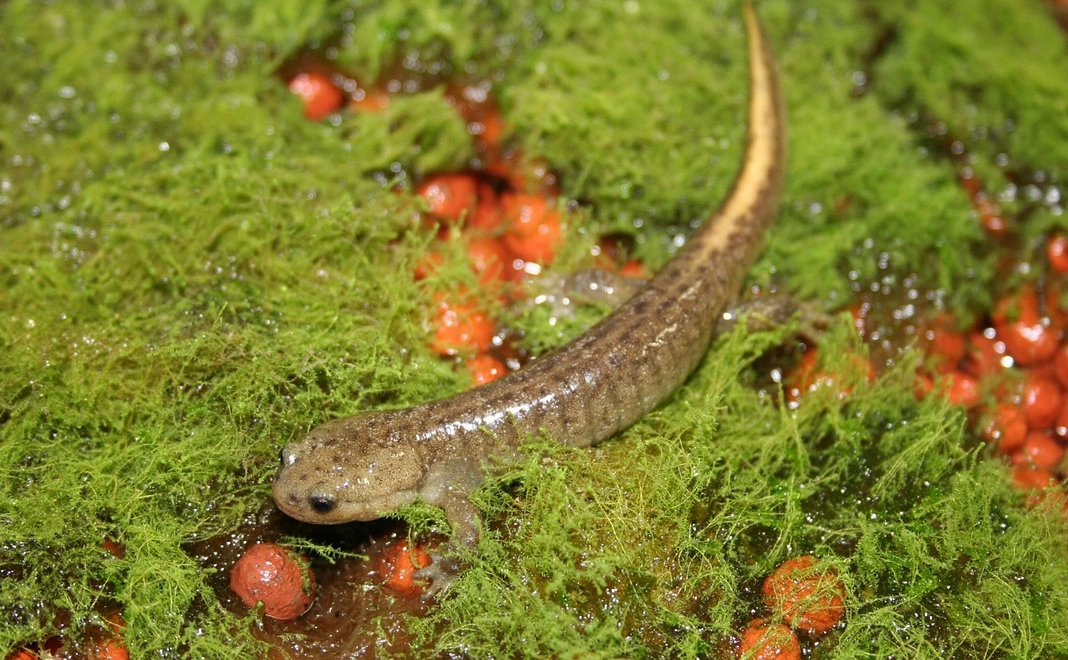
(593, 286)
(772, 311)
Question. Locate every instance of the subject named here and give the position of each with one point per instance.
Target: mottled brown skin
(362, 467)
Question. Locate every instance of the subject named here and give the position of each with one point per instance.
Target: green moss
(922, 532)
(992, 80)
(193, 275)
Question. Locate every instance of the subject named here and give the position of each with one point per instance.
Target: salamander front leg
(447, 486)
(445, 564)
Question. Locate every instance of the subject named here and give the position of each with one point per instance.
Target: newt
(371, 464)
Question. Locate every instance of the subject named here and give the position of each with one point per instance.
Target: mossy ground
(192, 275)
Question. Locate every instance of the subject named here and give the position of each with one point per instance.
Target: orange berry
(990, 216)
(370, 100)
(808, 598)
(1008, 427)
(427, 265)
(397, 567)
(923, 386)
(963, 389)
(804, 377)
(1039, 450)
(807, 378)
(971, 184)
(485, 368)
(488, 213)
(451, 196)
(768, 642)
(270, 574)
(1028, 335)
(116, 549)
(1027, 477)
(634, 268)
(115, 622)
(946, 345)
(533, 232)
(321, 98)
(985, 353)
(490, 260)
(1042, 401)
(1060, 427)
(1060, 365)
(461, 328)
(529, 176)
(491, 126)
(22, 654)
(1055, 307)
(111, 649)
(1057, 253)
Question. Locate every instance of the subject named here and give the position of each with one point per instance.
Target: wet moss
(193, 275)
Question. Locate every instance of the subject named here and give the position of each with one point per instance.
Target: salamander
(368, 465)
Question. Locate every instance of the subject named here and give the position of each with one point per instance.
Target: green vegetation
(192, 275)
(707, 496)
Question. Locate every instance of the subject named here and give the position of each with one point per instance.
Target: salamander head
(345, 470)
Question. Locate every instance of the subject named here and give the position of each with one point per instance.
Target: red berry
(1060, 365)
(768, 642)
(806, 378)
(450, 196)
(1028, 335)
(1039, 450)
(985, 353)
(485, 368)
(490, 129)
(370, 100)
(111, 649)
(946, 345)
(114, 547)
(283, 582)
(1042, 401)
(490, 260)
(990, 216)
(533, 232)
(320, 96)
(1060, 427)
(634, 268)
(1008, 428)
(1057, 253)
(398, 566)
(427, 265)
(488, 213)
(1032, 478)
(461, 328)
(963, 389)
(971, 184)
(807, 597)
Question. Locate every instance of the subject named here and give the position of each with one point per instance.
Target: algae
(193, 275)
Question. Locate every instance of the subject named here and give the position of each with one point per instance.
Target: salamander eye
(322, 502)
(288, 455)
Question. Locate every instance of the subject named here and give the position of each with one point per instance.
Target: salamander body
(362, 467)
